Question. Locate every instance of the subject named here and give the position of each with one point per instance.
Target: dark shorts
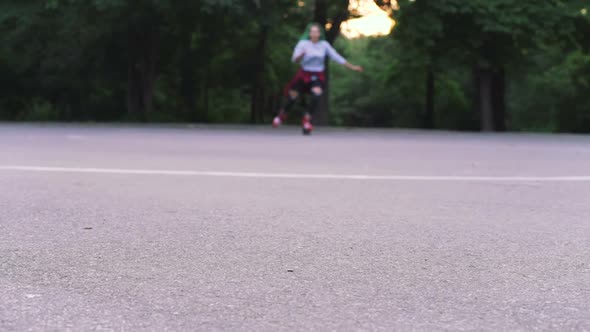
(304, 81)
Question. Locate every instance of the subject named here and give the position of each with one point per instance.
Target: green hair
(305, 35)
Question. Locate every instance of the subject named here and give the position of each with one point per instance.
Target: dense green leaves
(448, 62)
(493, 38)
(101, 59)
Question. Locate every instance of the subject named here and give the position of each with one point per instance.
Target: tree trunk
(188, 83)
(322, 114)
(320, 16)
(204, 112)
(430, 95)
(476, 97)
(320, 13)
(486, 107)
(499, 99)
(490, 97)
(483, 97)
(258, 91)
(141, 72)
(134, 107)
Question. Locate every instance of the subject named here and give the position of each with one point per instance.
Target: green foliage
(390, 92)
(75, 54)
(555, 97)
(454, 36)
(40, 110)
(69, 60)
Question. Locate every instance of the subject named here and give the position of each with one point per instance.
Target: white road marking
(76, 137)
(366, 177)
(32, 296)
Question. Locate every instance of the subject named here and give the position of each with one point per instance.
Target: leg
(291, 95)
(316, 96)
(287, 105)
(290, 101)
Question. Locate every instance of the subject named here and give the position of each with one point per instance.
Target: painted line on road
(262, 175)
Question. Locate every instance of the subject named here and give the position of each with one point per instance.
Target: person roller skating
(310, 54)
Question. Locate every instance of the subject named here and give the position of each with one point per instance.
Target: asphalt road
(224, 229)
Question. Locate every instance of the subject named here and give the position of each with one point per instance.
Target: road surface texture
(113, 228)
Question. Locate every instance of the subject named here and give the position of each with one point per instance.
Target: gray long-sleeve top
(315, 54)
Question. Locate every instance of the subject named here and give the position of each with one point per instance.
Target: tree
(524, 64)
(330, 13)
(269, 22)
(488, 34)
(423, 45)
(80, 33)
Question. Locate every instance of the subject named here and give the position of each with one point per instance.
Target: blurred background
(490, 65)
